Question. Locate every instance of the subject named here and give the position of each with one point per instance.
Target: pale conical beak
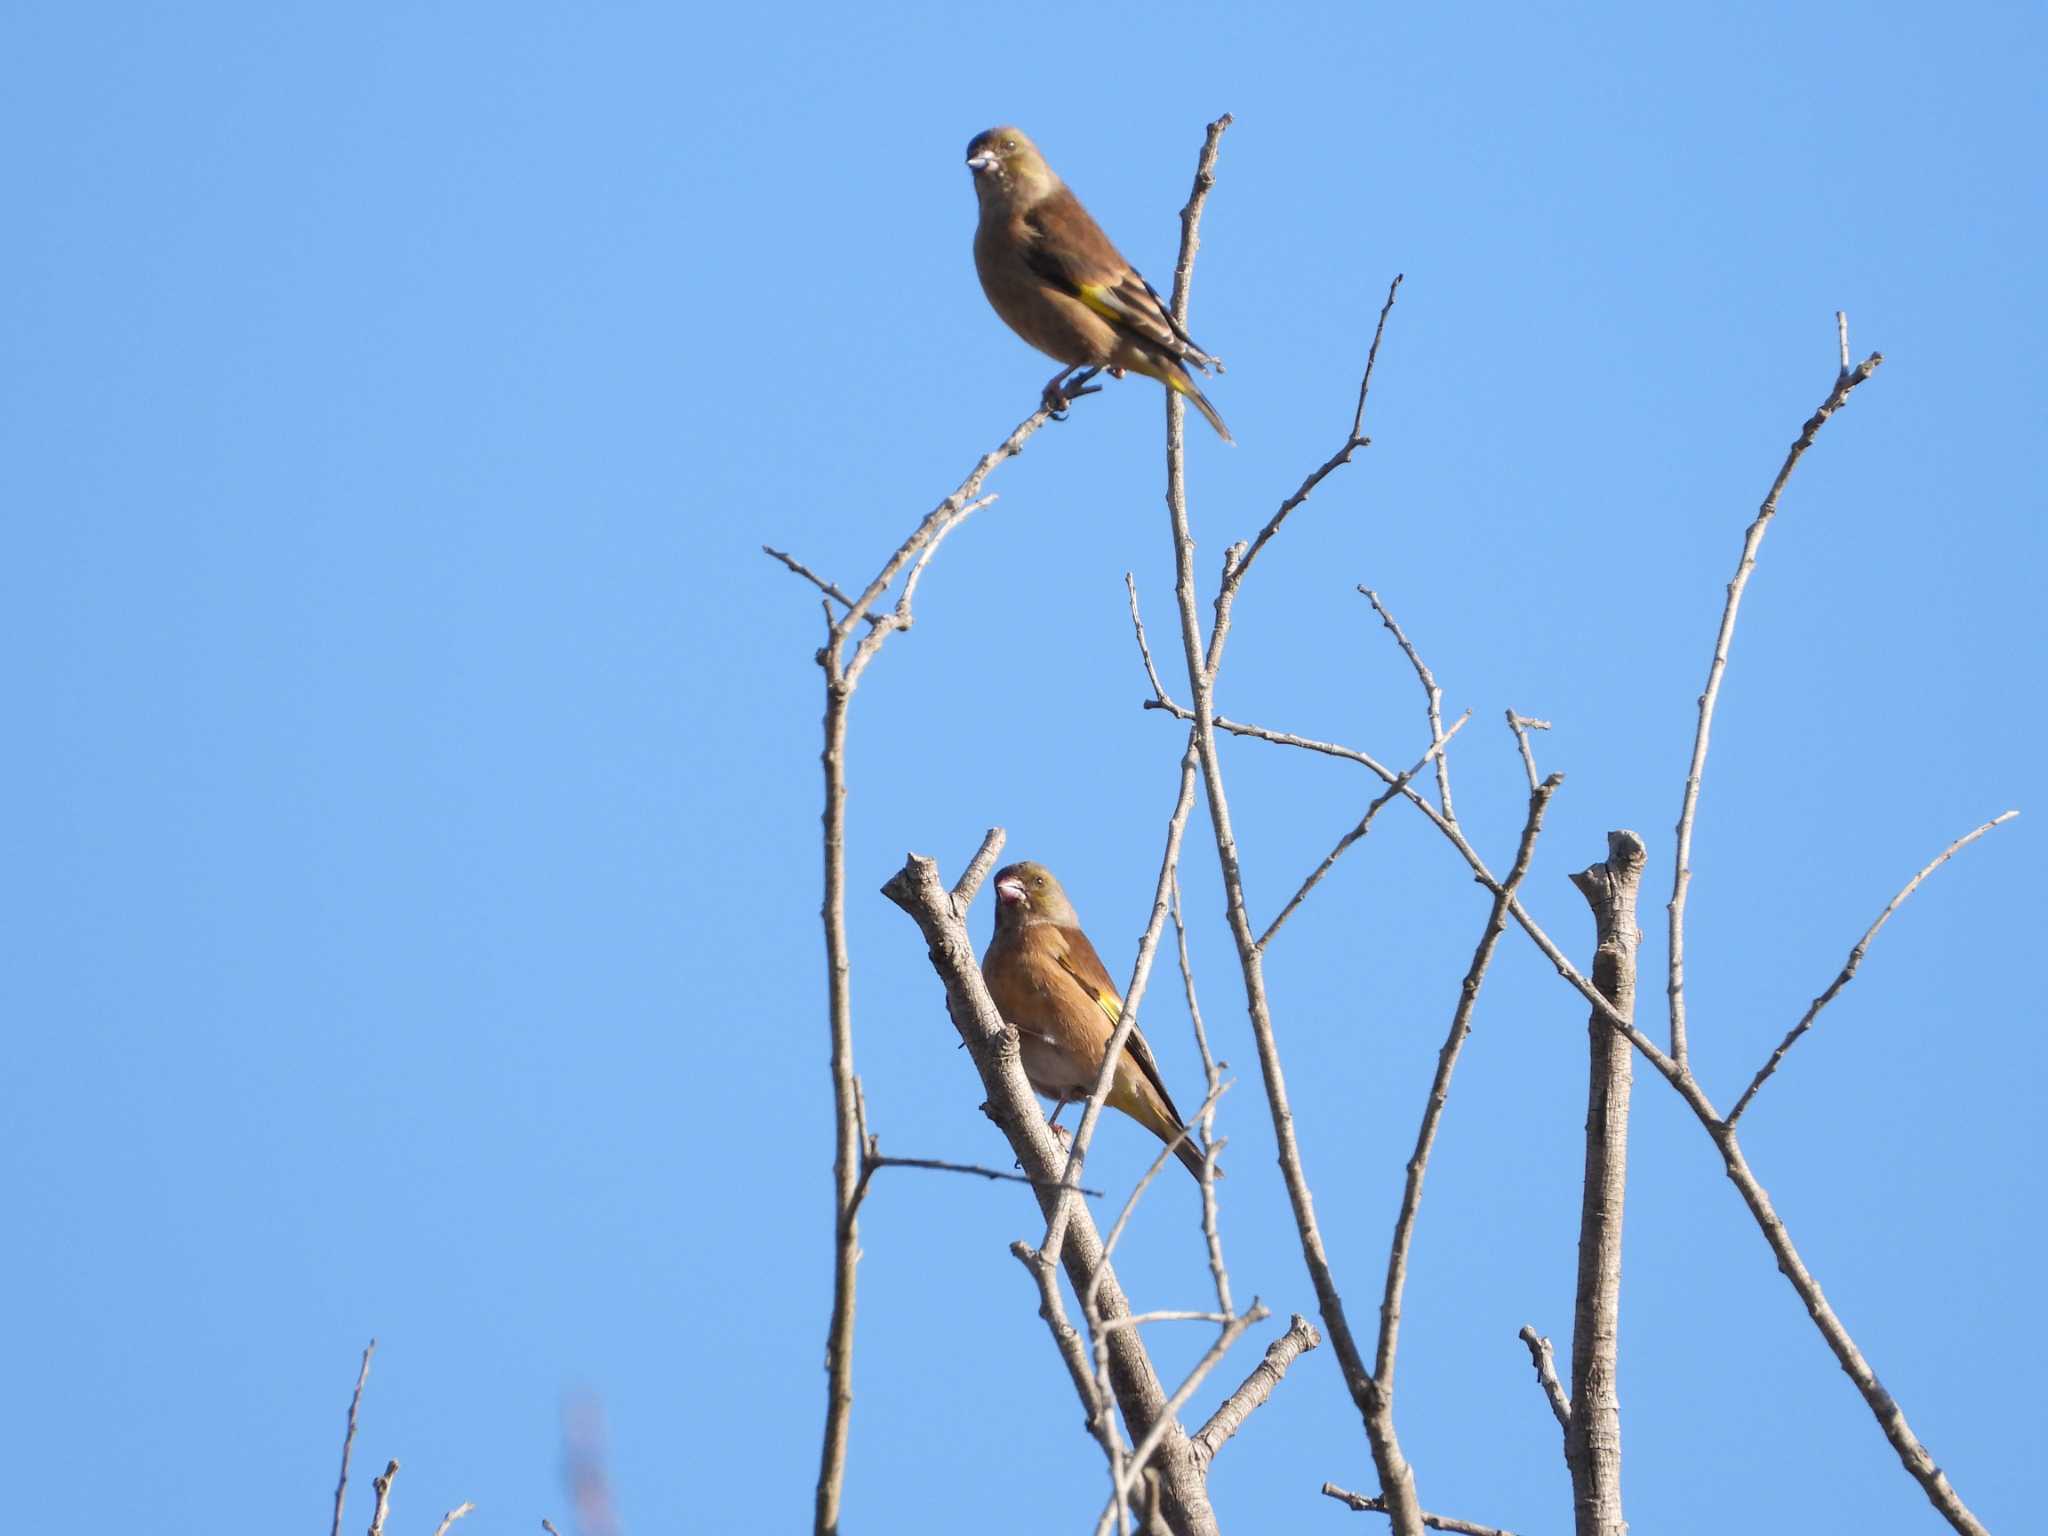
(1008, 891)
(981, 162)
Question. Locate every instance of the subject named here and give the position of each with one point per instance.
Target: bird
(1050, 985)
(1058, 282)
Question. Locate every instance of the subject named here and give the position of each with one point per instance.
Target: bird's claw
(1066, 389)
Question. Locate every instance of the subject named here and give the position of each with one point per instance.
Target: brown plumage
(1054, 990)
(1058, 282)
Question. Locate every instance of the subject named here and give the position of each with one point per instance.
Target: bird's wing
(1065, 247)
(1080, 961)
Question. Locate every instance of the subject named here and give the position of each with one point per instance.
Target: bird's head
(1008, 167)
(1027, 893)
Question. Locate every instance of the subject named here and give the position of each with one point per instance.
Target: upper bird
(1056, 280)
(1050, 985)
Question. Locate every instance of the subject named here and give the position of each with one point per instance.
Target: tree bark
(1593, 1441)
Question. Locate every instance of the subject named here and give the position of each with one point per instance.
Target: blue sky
(411, 806)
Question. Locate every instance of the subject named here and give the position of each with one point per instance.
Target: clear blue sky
(410, 924)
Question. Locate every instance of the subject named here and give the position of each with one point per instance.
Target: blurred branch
(1522, 725)
(1365, 1504)
(348, 1440)
(453, 1515)
(383, 1486)
(1544, 1359)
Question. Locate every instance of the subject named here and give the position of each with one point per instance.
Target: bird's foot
(1065, 388)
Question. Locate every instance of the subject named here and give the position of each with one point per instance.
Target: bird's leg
(1059, 1108)
(1065, 387)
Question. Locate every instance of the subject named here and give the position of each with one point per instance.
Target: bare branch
(453, 1515)
(348, 1440)
(1067, 1339)
(1918, 1461)
(1593, 1439)
(1522, 725)
(1681, 877)
(1848, 971)
(842, 676)
(1364, 826)
(1353, 441)
(969, 884)
(1366, 1504)
(1141, 1453)
(1211, 1076)
(383, 1486)
(1301, 1337)
(1545, 1360)
(1433, 695)
(809, 575)
(1440, 1089)
(549, 1527)
(1202, 665)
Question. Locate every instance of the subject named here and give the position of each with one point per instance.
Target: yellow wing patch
(1112, 1009)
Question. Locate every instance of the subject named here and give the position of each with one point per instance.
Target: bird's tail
(1191, 1154)
(1175, 377)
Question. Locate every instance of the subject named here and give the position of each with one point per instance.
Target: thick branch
(1846, 380)
(1593, 1438)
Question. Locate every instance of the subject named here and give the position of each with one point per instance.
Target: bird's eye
(1009, 143)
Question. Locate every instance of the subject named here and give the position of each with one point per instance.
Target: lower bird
(1058, 282)
(1051, 986)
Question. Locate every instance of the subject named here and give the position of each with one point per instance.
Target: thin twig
(1440, 1087)
(1846, 380)
(1545, 1360)
(1433, 695)
(1371, 1505)
(453, 1515)
(1301, 1337)
(796, 565)
(1212, 1077)
(1848, 971)
(1522, 725)
(549, 1527)
(1354, 440)
(348, 1440)
(1364, 826)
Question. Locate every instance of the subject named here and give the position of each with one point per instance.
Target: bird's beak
(981, 162)
(1008, 891)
